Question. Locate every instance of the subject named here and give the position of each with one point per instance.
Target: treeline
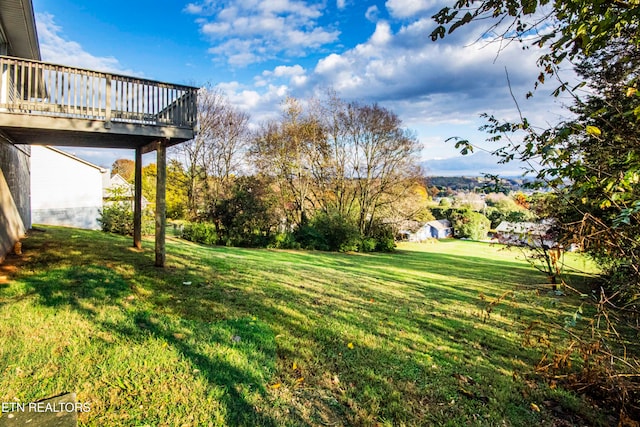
(443, 186)
(327, 174)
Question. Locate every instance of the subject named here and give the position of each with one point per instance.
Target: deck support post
(161, 202)
(137, 201)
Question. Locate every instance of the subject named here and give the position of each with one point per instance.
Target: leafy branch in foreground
(591, 162)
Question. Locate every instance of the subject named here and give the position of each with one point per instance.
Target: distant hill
(475, 183)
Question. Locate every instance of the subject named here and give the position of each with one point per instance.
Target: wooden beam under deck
(137, 203)
(75, 132)
(161, 203)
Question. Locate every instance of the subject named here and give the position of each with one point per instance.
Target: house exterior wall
(15, 207)
(64, 191)
(442, 233)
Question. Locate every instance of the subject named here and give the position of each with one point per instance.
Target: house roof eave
(18, 25)
(78, 159)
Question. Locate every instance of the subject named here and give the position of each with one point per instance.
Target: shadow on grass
(85, 288)
(406, 343)
(250, 337)
(79, 287)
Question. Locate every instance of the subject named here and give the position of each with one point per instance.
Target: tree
(505, 208)
(469, 224)
(149, 181)
(246, 216)
(602, 203)
(348, 159)
(596, 153)
(381, 154)
(289, 150)
(177, 199)
(335, 191)
(216, 154)
(125, 168)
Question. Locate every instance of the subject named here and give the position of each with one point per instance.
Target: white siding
(64, 190)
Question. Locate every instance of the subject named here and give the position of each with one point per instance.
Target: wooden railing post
(107, 109)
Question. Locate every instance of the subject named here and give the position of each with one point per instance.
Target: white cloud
(382, 35)
(409, 8)
(333, 62)
(283, 70)
(249, 31)
(372, 13)
(262, 105)
(439, 78)
(341, 4)
(295, 74)
(424, 82)
(55, 48)
(193, 9)
(438, 89)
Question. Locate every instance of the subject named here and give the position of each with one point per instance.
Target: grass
(244, 337)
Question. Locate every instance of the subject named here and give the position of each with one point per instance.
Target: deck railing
(38, 88)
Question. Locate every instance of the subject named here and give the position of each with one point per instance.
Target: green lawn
(244, 337)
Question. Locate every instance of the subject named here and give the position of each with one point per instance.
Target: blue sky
(258, 52)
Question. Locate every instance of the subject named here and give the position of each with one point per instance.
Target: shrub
(383, 235)
(333, 232)
(246, 217)
(284, 241)
(148, 224)
(117, 218)
(368, 244)
(469, 224)
(385, 244)
(339, 233)
(200, 232)
(310, 238)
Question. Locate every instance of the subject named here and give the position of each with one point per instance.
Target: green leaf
(593, 130)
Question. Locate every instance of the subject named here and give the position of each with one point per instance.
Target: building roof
(18, 29)
(77, 159)
(440, 224)
(523, 228)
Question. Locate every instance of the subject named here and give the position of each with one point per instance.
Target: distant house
(525, 234)
(438, 229)
(65, 190)
(116, 188)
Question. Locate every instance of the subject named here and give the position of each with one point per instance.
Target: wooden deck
(50, 104)
(43, 103)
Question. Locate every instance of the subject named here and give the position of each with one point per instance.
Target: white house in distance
(525, 234)
(437, 229)
(65, 190)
